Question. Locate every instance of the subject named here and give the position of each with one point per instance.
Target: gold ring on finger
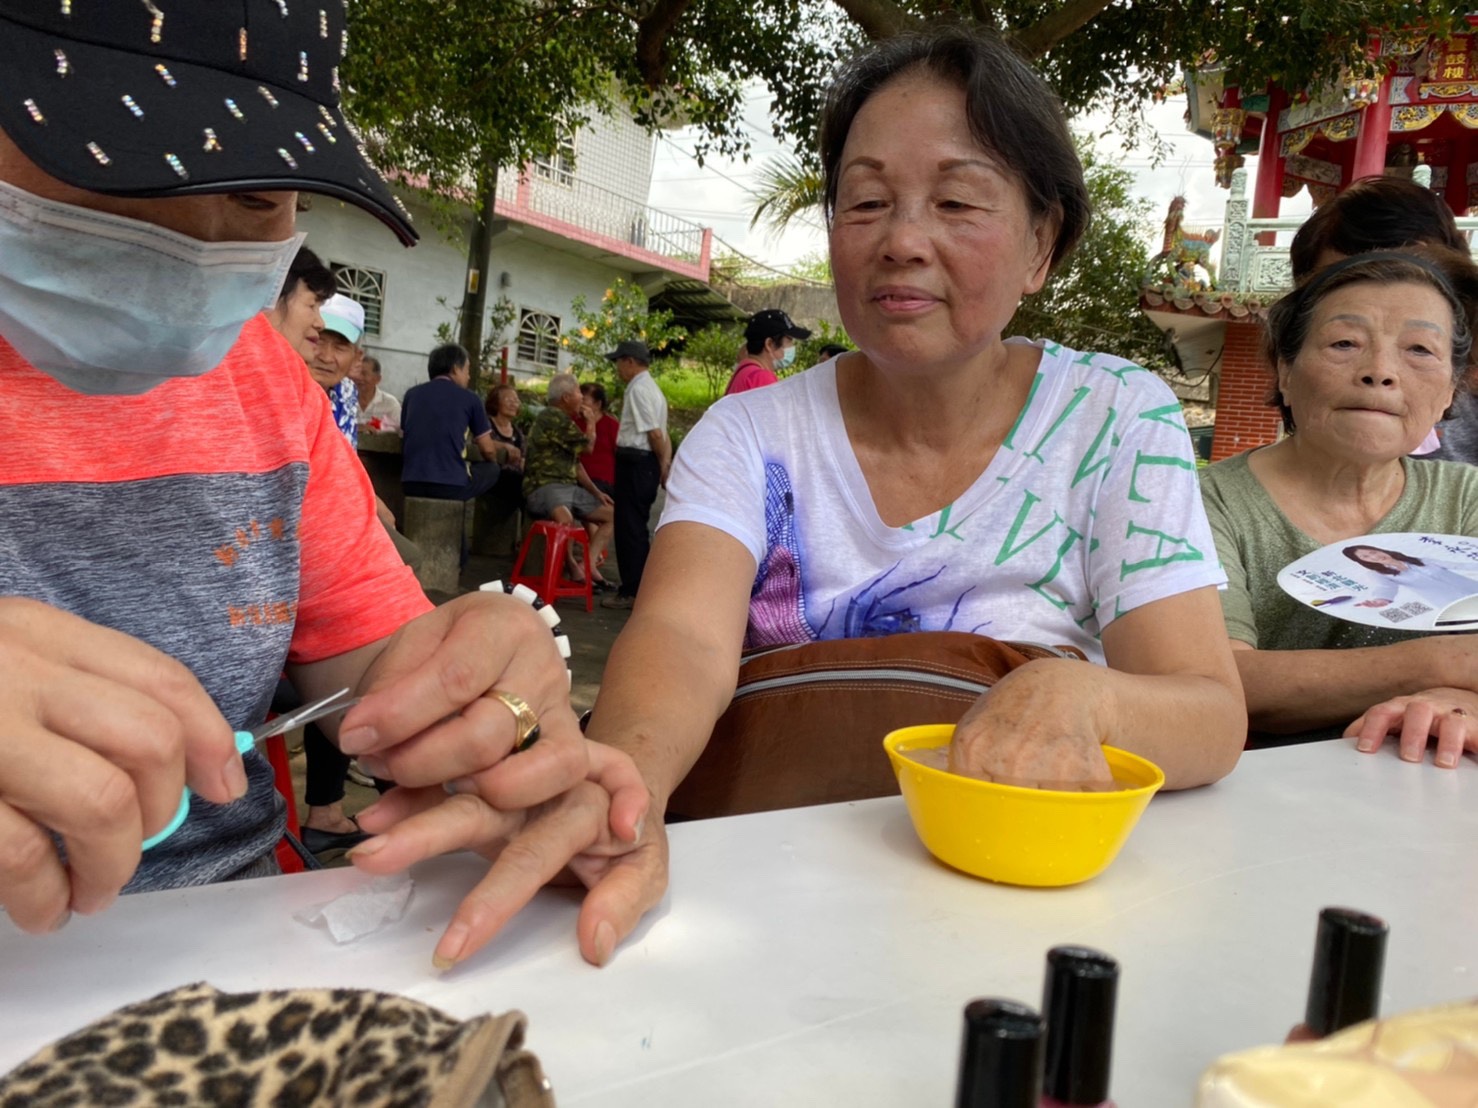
(524, 717)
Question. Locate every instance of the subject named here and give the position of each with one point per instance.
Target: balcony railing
(602, 212)
(1250, 267)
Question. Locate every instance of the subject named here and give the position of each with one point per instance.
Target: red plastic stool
(550, 582)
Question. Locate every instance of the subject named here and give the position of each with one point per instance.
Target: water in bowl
(937, 757)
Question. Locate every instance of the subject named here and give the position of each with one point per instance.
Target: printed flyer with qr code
(1405, 579)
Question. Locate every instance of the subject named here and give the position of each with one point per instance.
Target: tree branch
(1052, 29)
(879, 19)
(651, 39)
(982, 12)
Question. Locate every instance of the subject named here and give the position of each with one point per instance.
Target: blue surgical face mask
(786, 358)
(109, 305)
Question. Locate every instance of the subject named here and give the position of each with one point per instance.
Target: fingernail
(636, 838)
(358, 739)
(1365, 746)
(459, 786)
(61, 921)
(366, 848)
(93, 906)
(1446, 761)
(234, 777)
(375, 767)
(449, 951)
(605, 942)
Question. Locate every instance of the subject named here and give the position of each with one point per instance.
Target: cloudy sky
(717, 194)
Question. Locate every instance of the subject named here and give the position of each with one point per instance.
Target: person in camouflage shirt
(555, 484)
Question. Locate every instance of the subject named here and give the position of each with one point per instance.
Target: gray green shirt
(1255, 540)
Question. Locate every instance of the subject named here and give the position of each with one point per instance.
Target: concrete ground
(591, 635)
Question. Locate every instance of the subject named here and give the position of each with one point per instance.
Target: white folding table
(820, 956)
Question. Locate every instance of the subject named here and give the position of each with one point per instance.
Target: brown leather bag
(806, 724)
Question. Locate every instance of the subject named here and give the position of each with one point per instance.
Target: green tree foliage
(447, 86)
(1094, 52)
(500, 317)
(712, 353)
(622, 314)
(1092, 301)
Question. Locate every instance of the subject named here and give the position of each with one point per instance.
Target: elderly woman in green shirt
(1368, 352)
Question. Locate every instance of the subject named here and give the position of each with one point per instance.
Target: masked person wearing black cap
(154, 586)
(769, 345)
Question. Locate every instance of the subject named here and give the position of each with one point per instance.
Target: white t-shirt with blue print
(1089, 510)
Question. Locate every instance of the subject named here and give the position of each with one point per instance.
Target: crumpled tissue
(361, 911)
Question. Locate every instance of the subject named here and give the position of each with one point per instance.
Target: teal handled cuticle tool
(340, 701)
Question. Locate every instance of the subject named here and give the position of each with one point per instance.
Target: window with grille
(559, 166)
(365, 285)
(538, 339)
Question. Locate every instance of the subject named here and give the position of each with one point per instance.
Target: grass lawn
(685, 388)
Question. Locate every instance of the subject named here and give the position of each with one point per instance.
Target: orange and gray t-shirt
(222, 519)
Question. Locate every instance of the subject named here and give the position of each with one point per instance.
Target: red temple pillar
(1267, 191)
(1375, 133)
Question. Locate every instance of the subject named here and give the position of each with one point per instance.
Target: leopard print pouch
(297, 1047)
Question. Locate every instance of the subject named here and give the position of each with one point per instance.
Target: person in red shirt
(769, 345)
(600, 460)
(137, 636)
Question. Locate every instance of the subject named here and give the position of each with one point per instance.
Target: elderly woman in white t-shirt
(937, 478)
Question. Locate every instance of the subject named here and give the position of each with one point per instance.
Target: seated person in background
(555, 484)
(1368, 353)
(769, 344)
(600, 460)
(298, 317)
(239, 537)
(940, 477)
(1388, 213)
(335, 356)
(377, 408)
(436, 418)
(295, 316)
(503, 405)
(829, 351)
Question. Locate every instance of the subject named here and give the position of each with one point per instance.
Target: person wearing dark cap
(153, 587)
(643, 457)
(769, 345)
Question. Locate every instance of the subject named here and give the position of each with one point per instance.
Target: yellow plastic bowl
(1016, 835)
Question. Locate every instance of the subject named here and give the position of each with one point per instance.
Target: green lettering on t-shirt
(1078, 395)
(1143, 459)
(1180, 547)
(1173, 414)
(1084, 469)
(1123, 371)
(1036, 586)
(1031, 392)
(1010, 548)
(944, 528)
